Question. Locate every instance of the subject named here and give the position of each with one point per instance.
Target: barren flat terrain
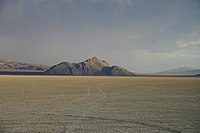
(58, 104)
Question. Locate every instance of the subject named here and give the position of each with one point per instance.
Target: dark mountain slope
(115, 70)
(198, 75)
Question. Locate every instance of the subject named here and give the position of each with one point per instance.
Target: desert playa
(83, 104)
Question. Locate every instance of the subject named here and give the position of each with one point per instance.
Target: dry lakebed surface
(99, 104)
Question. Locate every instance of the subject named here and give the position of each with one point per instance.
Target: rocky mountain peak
(96, 62)
(92, 66)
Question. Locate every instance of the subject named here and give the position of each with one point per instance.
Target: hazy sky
(140, 35)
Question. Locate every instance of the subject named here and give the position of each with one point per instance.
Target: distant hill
(17, 66)
(182, 70)
(93, 66)
(198, 75)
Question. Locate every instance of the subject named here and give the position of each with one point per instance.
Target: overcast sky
(140, 35)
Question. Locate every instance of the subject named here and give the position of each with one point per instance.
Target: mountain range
(92, 66)
(181, 70)
(18, 66)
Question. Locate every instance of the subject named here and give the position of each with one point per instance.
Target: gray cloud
(185, 44)
(132, 33)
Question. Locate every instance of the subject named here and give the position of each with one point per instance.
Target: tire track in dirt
(70, 129)
(35, 118)
(139, 123)
(86, 112)
(62, 125)
(94, 104)
(127, 121)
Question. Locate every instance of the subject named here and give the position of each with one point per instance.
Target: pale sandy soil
(50, 104)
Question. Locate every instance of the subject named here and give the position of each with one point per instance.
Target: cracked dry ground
(53, 104)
